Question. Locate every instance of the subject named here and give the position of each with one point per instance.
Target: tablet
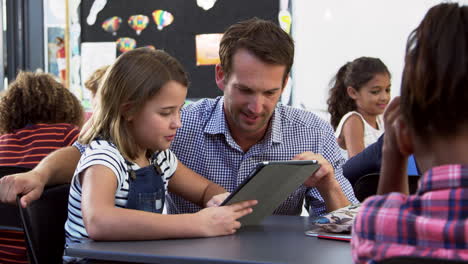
(270, 183)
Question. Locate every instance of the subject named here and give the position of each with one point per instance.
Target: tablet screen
(270, 184)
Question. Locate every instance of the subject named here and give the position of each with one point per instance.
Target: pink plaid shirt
(431, 223)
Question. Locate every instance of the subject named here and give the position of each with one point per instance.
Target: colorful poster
(55, 36)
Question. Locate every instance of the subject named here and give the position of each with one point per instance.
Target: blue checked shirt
(205, 145)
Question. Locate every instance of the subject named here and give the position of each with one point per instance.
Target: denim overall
(146, 188)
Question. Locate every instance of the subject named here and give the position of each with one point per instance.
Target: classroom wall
(330, 33)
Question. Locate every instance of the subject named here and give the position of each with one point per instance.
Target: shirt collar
(217, 123)
(444, 177)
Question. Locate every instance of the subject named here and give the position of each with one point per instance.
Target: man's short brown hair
(264, 39)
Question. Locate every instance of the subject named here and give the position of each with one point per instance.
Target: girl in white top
(119, 186)
(358, 97)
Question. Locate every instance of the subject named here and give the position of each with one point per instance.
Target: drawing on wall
(207, 48)
(173, 26)
(138, 23)
(206, 4)
(125, 44)
(53, 34)
(112, 24)
(162, 18)
(284, 18)
(97, 6)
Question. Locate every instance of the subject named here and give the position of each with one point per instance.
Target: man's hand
(324, 176)
(325, 181)
(29, 184)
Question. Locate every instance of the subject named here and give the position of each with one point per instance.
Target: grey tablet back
(270, 185)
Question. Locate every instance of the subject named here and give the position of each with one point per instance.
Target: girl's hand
(393, 174)
(392, 124)
(217, 200)
(219, 221)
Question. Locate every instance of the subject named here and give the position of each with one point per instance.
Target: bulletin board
(189, 19)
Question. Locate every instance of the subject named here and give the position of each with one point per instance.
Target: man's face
(251, 93)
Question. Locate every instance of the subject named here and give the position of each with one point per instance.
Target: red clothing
(26, 147)
(431, 223)
(12, 247)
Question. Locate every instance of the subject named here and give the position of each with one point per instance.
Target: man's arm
(56, 168)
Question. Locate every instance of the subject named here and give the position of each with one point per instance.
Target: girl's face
(155, 125)
(374, 96)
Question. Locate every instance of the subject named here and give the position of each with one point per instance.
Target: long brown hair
(434, 90)
(134, 78)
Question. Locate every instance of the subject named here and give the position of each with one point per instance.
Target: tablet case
(270, 184)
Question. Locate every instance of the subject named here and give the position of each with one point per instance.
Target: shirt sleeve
(167, 161)
(375, 227)
(81, 148)
(101, 153)
(330, 151)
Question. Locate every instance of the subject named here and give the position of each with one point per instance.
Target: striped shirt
(205, 145)
(431, 223)
(26, 147)
(12, 247)
(101, 152)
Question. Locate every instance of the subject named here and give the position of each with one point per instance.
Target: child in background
(359, 95)
(37, 116)
(430, 120)
(119, 187)
(93, 82)
(61, 58)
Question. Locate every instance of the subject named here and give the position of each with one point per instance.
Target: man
(224, 138)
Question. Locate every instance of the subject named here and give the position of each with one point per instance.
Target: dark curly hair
(38, 98)
(434, 89)
(355, 74)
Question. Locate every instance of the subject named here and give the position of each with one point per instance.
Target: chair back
(367, 185)
(10, 217)
(419, 260)
(44, 225)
